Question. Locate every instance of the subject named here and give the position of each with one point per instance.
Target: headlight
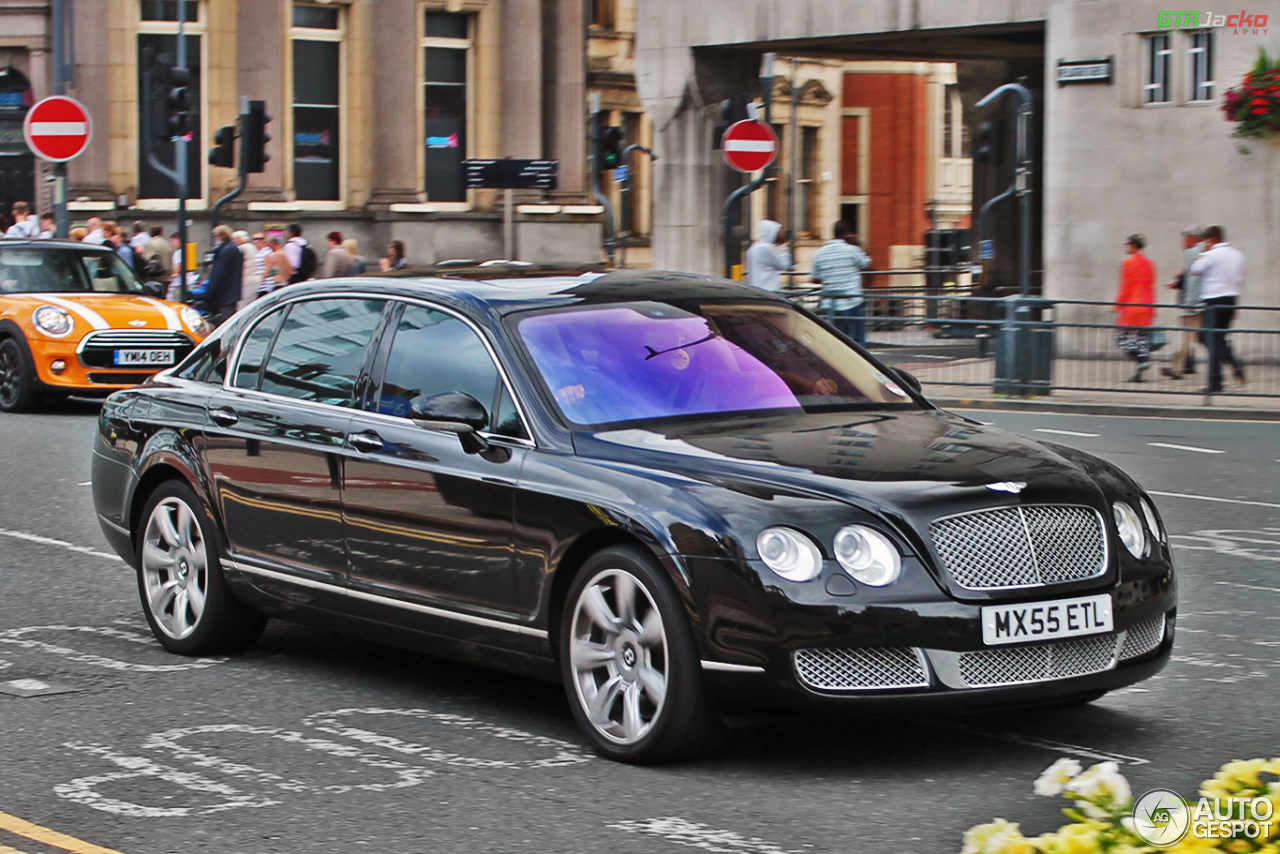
(789, 553)
(867, 555)
(52, 320)
(194, 321)
(1153, 521)
(1130, 528)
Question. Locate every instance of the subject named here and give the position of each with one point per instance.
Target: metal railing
(954, 341)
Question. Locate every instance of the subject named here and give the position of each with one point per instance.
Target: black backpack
(306, 265)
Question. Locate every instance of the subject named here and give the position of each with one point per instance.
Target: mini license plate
(147, 358)
(1039, 621)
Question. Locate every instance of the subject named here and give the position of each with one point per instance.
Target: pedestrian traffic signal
(177, 105)
(609, 148)
(254, 138)
(223, 152)
(986, 148)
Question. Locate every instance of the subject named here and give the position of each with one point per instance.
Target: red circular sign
(749, 146)
(58, 129)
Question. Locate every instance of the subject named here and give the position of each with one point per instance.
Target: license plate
(1039, 621)
(147, 358)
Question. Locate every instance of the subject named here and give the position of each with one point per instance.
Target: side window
(254, 350)
(435, 353)
(320, 350)
(506, 420)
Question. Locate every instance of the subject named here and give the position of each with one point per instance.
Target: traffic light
(177, 102)
(223, 152)
(255, 138)
(986, 148)
(609, 148)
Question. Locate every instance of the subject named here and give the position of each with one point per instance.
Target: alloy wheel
(10, 376)
(175, 568)
(619, 656)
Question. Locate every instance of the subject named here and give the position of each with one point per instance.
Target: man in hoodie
(768, 257)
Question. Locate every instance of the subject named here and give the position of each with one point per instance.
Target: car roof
(53, 243)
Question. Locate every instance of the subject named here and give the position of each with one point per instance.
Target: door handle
(224, 417)
(365, 442)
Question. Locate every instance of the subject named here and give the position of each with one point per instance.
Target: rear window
(39, 270)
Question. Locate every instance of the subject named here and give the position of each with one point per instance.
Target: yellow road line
(45, 836)
(5, 849)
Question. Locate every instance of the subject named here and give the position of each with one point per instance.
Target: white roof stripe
(59, 128)
(762, 145)
(88, 315)
(170, 316)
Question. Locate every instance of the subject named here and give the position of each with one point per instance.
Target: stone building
(375, 103)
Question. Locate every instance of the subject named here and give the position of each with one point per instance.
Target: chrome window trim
(233, 364)
(487, 622)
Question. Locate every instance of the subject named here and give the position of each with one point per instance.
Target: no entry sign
(58, 129)
(749, 146)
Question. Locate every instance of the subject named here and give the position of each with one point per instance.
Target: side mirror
(909, 379)
(455, 412)
(155, 289)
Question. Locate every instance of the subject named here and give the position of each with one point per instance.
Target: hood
(95, 312)
(769, 231)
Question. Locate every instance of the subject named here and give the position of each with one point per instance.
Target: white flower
(1056, 777)
(1103, 788)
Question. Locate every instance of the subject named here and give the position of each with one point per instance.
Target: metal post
(62, 15)
(244, 169)
(180, 161)
(795, 156)
(1022, 177)
(730, 205)
(626, 197)
(508, 226)
(600, 196)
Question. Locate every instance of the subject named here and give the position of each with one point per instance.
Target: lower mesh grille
(1019, 665)
(1143, 638)
(861, 669)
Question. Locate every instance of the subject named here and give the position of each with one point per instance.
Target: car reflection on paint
(678, 495)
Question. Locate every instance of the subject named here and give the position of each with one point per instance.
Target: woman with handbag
(1134, 310)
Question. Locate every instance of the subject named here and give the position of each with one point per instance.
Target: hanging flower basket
(1254, 106)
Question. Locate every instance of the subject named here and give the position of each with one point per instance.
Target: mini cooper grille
(1018, 665)
(860, 669)
(1143, 638)
(1021, 546)
(98, 348)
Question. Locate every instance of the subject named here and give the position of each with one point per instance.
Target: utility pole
(180, 159)
(63, 77)
(795, 158)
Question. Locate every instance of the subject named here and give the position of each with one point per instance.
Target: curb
(1193, 413)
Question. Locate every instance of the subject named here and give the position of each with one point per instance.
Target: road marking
(1212, 498)
(692, 834)
(50, 541)
(1261, 544)
(52, 838)
(1249, 587)
(1185, 448)
(18, 637)
(1066, 433)
(5, 849)
(1055, 746)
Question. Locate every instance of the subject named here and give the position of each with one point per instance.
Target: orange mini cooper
(74, 319)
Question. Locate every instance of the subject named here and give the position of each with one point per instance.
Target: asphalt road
(315, 742)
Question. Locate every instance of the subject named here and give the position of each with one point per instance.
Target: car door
(426, 522)
(276, 434)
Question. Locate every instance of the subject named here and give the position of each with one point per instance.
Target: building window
(1158, 54)
(317, 116)
(807, 184)
(158, 42)
(602, 14)
(1201, 54)
(446, 63)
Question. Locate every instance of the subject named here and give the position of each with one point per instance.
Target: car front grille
(861, 669)
(97, 350)
(990, 668)
(1013, 547)
(1142, 638)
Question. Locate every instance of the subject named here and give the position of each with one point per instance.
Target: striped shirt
(838, 266)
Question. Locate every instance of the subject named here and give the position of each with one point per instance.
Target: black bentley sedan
(677, 494)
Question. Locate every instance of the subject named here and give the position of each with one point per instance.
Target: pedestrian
(1187, 284)
(139, 237)
(48, 226)
(838, 267)
(337, 262)
(262, 254)
(1221, 270)
(78, 234)
(302, 258)
(1134, 310)
(95, 235)
(395, 257)
(175, 267)
(223, 291)
(358, 262)
(116, 238)
(24, 225)
(278, 271)
(768, 257)
(249, 278)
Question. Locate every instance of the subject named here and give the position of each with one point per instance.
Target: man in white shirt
(95, 235)
(24, 225)
(1221, 270)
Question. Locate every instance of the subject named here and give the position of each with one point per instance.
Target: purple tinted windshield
(642, 361)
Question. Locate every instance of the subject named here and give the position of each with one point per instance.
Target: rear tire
(630, 664)
(17, 376)
(186, 600)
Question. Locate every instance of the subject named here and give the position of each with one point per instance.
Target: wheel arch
(158, 470)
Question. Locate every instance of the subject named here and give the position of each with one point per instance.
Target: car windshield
(645, 361)
(39, 270)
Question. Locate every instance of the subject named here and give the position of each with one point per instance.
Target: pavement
(314, 741)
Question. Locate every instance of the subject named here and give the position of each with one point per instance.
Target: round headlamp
(52, 320)
(194, 320)
(1129, 526)
(867, 555)
(1153, 521)
(789, 553)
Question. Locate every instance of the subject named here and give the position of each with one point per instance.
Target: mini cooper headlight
(789, 553)
(52, 320)
(868, 555)
(194, 320)
(1153, 521)
(1130, 529)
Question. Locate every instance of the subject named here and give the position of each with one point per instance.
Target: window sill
(168, 205)
(91, 206)
(430, 207)
(282, 207)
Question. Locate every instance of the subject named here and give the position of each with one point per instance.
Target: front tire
(17, 377)
(186, 600)
(630, 664)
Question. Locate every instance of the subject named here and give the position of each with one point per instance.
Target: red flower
(1257, 111)
(1259, 102)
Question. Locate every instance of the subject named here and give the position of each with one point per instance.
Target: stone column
(397, 102)
(565, 94)
(90, 173)
(522, 79)
(262, 30)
